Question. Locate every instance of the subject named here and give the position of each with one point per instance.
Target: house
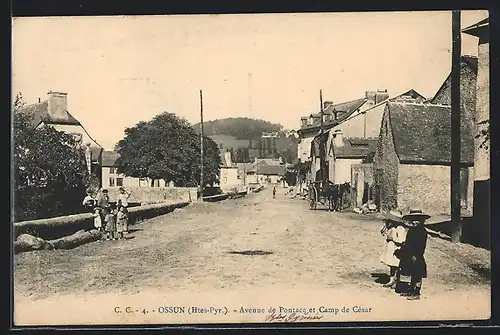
(481, 206)
(366, 123)
(229, 177)
(241, 149)
(412, 161)
(54, 112)
(468, 81)
(356, 136)
(333, 114)
(111, 178)
(341, 154)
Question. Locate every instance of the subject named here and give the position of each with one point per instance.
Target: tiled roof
(356, 147)
(39, 112)
(273, 170)
(422, 133)
(346, 108)
(109, 158)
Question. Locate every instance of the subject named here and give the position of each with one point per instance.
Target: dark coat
(414, 246)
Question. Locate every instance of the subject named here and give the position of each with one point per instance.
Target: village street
(195, 249)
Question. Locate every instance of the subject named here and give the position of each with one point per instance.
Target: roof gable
(109, 158)
(39, 113)
(422, 133)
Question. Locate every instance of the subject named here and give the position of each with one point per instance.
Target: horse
(331, 193)
(335, 194)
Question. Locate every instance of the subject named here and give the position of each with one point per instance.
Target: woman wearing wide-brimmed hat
(411, 254)
(395, 234)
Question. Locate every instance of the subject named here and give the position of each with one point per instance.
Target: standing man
(274, 192)
(103, 203)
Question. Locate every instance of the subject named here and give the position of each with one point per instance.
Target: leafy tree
(167, 148)
(49, 169)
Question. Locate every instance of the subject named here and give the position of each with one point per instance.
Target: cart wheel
(313, 198)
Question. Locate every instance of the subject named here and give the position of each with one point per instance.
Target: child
(123, 200)
(394, 233)
(97, 219)
(411, 254)
(121, 222)
(110, 225)
(89, 202)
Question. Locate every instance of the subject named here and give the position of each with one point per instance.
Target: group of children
(406, 240)
(108, 218)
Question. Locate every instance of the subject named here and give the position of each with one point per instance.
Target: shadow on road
(251, 252)
(380, 278)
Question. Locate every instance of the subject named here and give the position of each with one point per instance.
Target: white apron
(395, 234)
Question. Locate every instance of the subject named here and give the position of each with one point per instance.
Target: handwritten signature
(293, 317)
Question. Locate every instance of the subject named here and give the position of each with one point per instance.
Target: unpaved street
(252, 244)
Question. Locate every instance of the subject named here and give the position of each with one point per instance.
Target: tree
(49, 169)
(167, 148)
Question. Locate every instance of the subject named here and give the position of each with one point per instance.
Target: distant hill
(242, 136)
(242, 128)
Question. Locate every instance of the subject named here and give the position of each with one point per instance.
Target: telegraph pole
(455, 127)
(321, 158)
(202, 184)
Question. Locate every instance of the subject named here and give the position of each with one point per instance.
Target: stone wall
(428, 187)
(155, 195)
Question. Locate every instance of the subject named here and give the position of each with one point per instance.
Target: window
(111, 181)
(112, 170)
(119, 181)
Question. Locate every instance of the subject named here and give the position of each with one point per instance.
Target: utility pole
(202, 184)
(321, 157)
(455, 127)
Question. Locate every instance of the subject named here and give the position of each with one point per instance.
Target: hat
(416, 215)
(394, 215)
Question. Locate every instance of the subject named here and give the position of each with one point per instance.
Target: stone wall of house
(468, 79)
(155, 195)
(385, 166)
(428, 187)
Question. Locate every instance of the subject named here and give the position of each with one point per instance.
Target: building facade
(412, 162)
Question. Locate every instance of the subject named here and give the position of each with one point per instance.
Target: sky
(118, 71)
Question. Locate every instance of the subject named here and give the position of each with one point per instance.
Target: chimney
(227, 157)
(327, 104)
(337, 138)
(370, 97)
(381, 95)
(303, 122)
(58, 105)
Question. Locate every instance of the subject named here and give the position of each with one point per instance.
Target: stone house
(111, 178)
(54, 112)
(412, 162)
(468, 80)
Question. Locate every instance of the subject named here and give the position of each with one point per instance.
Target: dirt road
(252, 244)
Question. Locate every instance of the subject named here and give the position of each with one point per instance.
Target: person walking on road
(274, 192)
(411, 254)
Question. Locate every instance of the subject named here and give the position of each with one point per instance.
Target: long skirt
(387, 256)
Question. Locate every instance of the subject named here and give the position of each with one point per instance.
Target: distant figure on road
(274, 192)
